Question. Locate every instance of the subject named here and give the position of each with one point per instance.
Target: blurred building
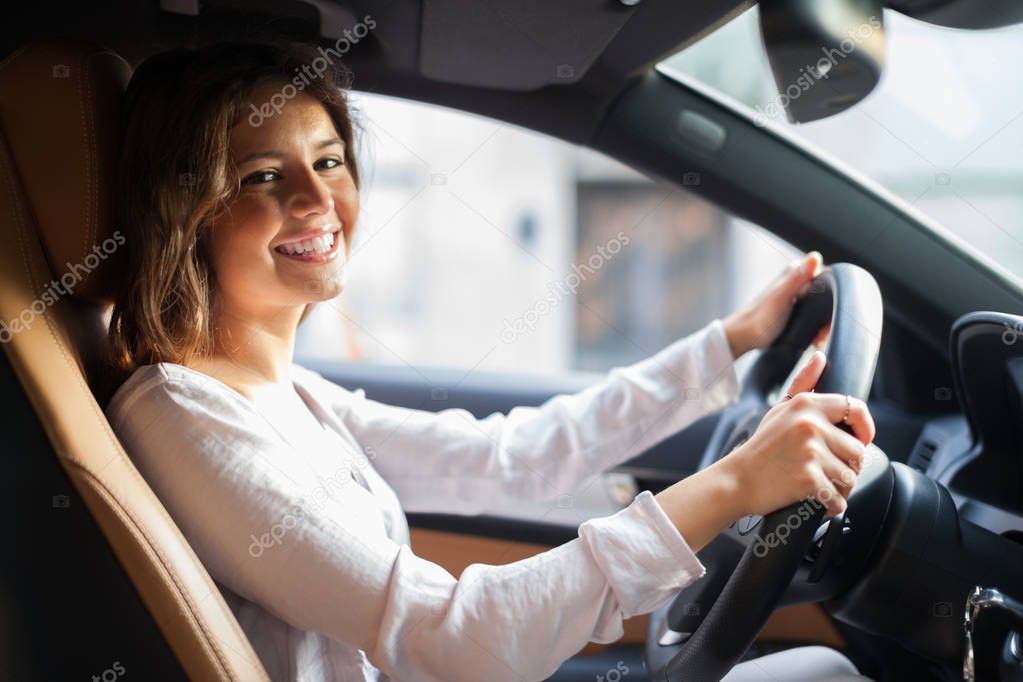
(485, 245)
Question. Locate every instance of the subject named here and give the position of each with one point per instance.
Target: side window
(481, 245)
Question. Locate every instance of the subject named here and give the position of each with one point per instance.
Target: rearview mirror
(826, 55)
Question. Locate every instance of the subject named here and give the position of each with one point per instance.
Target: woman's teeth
(315, 245)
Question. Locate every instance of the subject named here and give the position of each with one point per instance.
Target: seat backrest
(60, 258)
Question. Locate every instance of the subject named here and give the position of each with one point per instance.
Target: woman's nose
(312, 197)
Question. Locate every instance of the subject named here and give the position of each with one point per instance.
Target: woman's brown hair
(176, 172)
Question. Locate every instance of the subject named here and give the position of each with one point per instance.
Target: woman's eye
(264, 176)
(260, 177)
(332, 160)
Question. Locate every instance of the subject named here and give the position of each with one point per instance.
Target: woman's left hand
(759, 324)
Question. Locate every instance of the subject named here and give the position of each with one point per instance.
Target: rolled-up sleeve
(322, 563)
(450, 461)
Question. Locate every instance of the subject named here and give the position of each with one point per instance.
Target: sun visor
(523, 45)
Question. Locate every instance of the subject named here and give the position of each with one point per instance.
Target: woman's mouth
(319, 249)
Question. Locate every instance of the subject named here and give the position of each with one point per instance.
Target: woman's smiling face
(297, 195)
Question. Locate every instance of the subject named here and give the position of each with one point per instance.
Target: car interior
(923, 573)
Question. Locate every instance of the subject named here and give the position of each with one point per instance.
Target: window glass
(943, 130)
(484, 245)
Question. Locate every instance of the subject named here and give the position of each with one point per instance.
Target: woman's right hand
(798, 451)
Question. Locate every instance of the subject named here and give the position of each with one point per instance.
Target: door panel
(455, 551)
(806, 623)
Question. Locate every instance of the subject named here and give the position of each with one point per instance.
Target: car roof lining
(523, 45)
(492, 45)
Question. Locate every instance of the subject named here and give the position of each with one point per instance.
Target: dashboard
(978, 455)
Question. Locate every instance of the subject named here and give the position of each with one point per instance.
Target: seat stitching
(49, 325)
(7, 163)
(100, 487)
(85, 96)
(148, 546)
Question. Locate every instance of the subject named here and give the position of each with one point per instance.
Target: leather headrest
(60, 114)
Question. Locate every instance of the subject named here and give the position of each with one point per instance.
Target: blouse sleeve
(323, 566)
(450, 461)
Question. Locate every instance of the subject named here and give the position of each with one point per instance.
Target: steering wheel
(849, 297)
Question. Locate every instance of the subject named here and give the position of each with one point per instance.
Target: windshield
(943, 130)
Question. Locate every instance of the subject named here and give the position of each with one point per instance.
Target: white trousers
(802, 664)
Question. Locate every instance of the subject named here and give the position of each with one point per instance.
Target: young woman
(291, 489)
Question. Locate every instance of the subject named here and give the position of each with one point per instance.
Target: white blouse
(305, 535)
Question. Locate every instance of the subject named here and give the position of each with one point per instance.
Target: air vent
(923, 453)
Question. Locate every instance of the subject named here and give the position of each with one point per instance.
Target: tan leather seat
(59, 262)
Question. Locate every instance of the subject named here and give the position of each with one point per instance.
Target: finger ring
(847, 405)
(788, 396)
